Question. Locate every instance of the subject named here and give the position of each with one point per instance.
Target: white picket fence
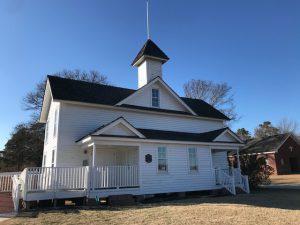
(6, 182)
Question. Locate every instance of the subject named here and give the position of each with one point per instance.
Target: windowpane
(162, 159)
(155, 97)
(193, 163)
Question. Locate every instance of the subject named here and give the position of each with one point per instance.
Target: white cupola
(149, 62)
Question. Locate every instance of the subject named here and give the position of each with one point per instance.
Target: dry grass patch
(286, 179)
(264, 207)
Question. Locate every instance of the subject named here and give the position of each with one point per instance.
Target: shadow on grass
(267, 198)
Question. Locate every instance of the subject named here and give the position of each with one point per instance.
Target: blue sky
(252, 45)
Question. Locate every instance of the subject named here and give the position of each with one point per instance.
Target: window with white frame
(162, 159)
(53, 158)
(155, 97)
(193, 162)
(46, 132)
(55, 123)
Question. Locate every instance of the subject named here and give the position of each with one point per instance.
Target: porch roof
(172, 135)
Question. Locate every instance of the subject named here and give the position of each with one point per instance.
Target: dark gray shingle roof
(152, 50)
(81, 91)
(268, 144)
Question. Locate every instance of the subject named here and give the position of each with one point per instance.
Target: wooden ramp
(6, 203)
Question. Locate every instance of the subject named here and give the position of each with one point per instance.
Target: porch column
(94, 155)
(92, 169)
(238, 158)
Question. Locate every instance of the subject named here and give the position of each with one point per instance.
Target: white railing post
(25, 182)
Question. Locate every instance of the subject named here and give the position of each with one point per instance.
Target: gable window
(193, 162)
(162, 159)
(53, 155)
(155, 97)
(55, 123)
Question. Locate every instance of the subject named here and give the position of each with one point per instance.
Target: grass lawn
(268, 206)
(293, 179)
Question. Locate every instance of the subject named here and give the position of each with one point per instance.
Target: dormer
(149, 62)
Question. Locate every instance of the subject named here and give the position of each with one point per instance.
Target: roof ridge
(89, 82)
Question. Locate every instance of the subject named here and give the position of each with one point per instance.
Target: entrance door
(294, 164)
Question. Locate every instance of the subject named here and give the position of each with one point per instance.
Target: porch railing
(115, 177)
(6, 183)
(226, 180)
(54, 178)
(241, 180)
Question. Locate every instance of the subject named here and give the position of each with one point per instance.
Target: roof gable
(118, 127)
(268, 144)
(227, 136)
(168, 98)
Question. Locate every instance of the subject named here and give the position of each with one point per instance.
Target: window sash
(155, 97)
(162, 159)
(193, 162)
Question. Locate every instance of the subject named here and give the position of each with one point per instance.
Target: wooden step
(121, 200)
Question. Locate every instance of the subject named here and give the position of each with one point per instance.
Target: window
(193, 162)
(55, 123)
(282, 162)
(155, 97)
(46, 132)
(53, 155)
(162, 159)
(85, 162)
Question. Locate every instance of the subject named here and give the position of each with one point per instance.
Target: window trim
(167, 166)
(53, 158)
(46, 132)
(158, 98)
(188, 160)
(55, 124)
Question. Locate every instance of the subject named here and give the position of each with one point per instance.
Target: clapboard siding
(167, 100)
(220, 159)
(77, 121)
(51, 144)
(178, 178)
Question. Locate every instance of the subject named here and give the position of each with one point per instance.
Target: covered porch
(113, 166)
(227, 174)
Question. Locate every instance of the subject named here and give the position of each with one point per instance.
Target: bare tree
(217, 95)
(33, 100)
(288, 126)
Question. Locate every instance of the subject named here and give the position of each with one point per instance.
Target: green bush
(257, 170)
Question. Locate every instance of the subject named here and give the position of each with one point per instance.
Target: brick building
(282, 152)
